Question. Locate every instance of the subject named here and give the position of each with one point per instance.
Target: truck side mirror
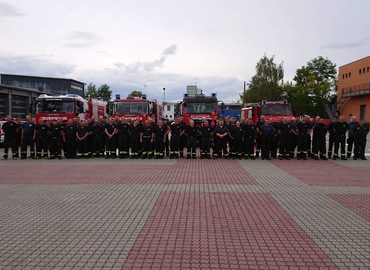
(32, 108)
(109, 108)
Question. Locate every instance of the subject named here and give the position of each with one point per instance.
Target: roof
(53, 78)
(356, 61)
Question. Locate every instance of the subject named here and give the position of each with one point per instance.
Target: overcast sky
(147, 45)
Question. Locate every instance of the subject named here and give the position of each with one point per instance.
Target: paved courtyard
(184, 214)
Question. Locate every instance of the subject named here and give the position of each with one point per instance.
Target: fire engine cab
(64, 107)
(270, 109)
(133, 107)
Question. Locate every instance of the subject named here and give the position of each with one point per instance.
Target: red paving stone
(223, 231)
(360, 204)
(183, 172)
(325, 173)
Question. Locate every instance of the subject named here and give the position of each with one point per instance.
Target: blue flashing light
(143, 96)
(186, 95)
(118, 96)
(213, 94)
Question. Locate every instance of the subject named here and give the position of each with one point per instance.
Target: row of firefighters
(227, 138)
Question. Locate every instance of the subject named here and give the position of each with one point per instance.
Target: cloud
(346, 45)
(7, 10)
(78, 39)
(39, 65)
(147, 66)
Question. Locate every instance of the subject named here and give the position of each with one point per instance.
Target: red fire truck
(198, 107)
(64, 107)
(270, 109)
(132, 107)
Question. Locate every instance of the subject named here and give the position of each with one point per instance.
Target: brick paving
(184, 214)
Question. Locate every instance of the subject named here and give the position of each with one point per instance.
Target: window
(368, 69)
(346, 75)
(363, 70)
(168, 107)
(359, 71)
(363, 112)
(343, 76)
(349, 75)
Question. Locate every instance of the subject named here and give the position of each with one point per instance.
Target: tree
(136, 93)
(316, 84)
(91, 90)
(104, 92)
(267, 83)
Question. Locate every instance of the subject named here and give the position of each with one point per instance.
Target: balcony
(357, 90)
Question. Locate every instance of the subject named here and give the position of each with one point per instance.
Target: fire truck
(270, 109)
(132, 107)
(198, 107)
(64, 107)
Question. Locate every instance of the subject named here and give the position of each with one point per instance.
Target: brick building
(354, 89)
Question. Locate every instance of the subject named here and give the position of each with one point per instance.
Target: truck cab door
(109, 108)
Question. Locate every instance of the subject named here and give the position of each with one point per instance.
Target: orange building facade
(354, 89)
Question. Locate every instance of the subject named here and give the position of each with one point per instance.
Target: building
(169, 110)
(193, 90)
(18, 91)
(354, 89)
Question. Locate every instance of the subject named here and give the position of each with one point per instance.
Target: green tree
(104, 92)
(316, 85)
(91, 90)
(267, 83)
(135, 93)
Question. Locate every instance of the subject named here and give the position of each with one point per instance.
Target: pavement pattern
(184, 214)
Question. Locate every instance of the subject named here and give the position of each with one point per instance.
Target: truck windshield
(55, 106)
(203, 107)
(131, 108)
(276, 109)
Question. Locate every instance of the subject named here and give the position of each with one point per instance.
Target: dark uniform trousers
(221, 145)
(302, 145)
(191, 146)
(360, 144)
(147, 147)
(331, 145)
(97, 146)
(319, 146)
(340, 139)
(71, 147)
(249, 146)
(55, 147)
(284, 146)
(82, 150)
(110, 145)
(27, 140)
(10, 142)
(205, 145)
(265, 145)
(123, 146)
(41, 146)
(159, 147)
(174, 146)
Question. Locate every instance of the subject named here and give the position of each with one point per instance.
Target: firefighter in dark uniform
(284, 129)
(340, 130)
(266, 131)
(260, 122)
(97, 131)
(350, 140)
(135, 130)
(70, 139)
(319, 139)
(191, 133)
(176, 132)
(293, 137)
(237, 138)
(10, 129)
(331, 137)
(82, 133)
(167, 142)
(303, 129)
(110, 139)
(182, 141)
(360, 133)
(222, 134)
(55, 133)
(231, 125)
(123, 129)
(41, 139)
(205, 139)
(160, 138)
(314, 144)
(147, 137)
(28, 137)
(249, 139)
(309, 139)
(275, 140)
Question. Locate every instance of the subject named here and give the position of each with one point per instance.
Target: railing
(357, 90)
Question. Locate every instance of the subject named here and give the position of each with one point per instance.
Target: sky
(150, 45)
